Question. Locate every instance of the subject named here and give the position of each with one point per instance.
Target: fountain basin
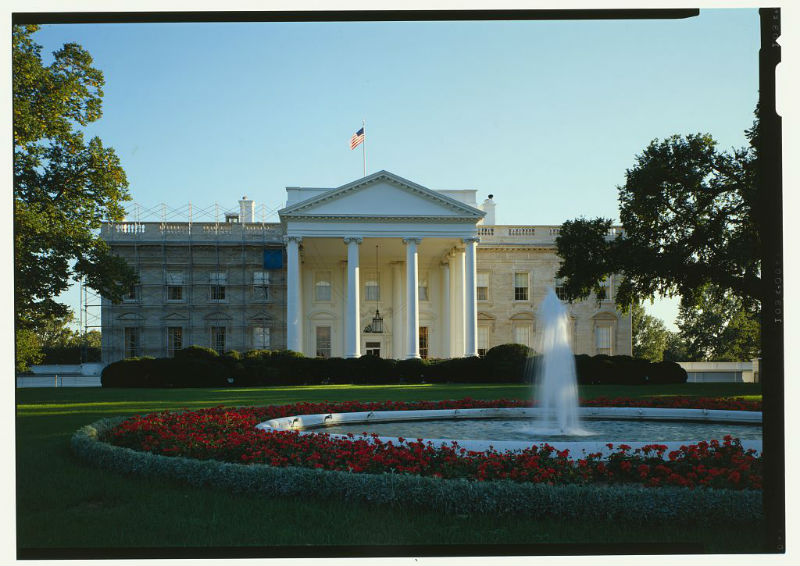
(578, 446)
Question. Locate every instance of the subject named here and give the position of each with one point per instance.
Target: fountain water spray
(556, 384)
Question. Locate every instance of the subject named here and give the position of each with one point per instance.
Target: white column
(294, 323)
(352, 342)
(446, 322)
(412, 298)
(458, 304)
(470, 299)
(343, 306)
(397, 310)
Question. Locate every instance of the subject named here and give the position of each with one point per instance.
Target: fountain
(556, 420)
(556, 384)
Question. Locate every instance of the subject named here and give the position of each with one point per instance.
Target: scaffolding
(197, 242)
(89, 315)
(215, 213)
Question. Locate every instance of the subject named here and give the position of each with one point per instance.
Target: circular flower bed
(229, 435)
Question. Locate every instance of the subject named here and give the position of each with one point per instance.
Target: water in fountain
(556, 384)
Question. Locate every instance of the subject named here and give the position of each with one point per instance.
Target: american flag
(357, 139)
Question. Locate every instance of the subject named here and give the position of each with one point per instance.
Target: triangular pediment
(381, 195)
(218, 316)
(130, 316)
(175, 317)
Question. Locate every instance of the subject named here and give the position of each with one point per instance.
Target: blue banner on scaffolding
(273, 259)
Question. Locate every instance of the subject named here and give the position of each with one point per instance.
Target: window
(323, 342)
(521, 286)
(132, 342)
(483, 340)
(372, 290)
(218, 338)
(522, 335)
(605, 289)
(261, 286)
(174, 285)
(217, 282)
(603, 339)
(559, 288)
(373, 349)
(132, 295)
(422, 289)
(174, 340)
(260, 338)
(482, 286)
(423, 342)
(322, 286)
(217, 293)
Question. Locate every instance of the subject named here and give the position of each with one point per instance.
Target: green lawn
(63, 504)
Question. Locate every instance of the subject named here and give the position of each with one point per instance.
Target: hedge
(623, 503)
(508, 363)
(70, 354)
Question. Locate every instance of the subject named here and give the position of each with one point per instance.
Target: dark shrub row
(70, 354)
(507, 363)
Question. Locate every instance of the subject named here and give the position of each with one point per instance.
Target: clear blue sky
(546, 116)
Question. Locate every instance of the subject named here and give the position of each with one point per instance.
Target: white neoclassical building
(379, 266)
(381, 244)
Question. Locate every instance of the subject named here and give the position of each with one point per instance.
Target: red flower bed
(229, 434)
(711, 403)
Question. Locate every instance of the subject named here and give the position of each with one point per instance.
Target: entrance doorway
(372, 348)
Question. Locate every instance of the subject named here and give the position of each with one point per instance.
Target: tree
(689, 219)
(649, 335)
(64, 186)
(28, 348)
(675, 350)
(55, 331)
(717, 325)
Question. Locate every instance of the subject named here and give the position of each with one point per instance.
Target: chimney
(488, 207)
(247, 210)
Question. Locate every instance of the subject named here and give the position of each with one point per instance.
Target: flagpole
(364, 145)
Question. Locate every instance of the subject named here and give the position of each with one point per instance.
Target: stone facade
(314, 282)
(199, 284)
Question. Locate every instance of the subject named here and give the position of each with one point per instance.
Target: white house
(380, 266)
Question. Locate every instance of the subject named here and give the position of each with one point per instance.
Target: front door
(372, 348)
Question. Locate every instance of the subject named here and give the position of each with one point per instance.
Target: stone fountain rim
(308, 424)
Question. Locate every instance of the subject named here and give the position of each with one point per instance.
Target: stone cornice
(515, 247)
(380, 219)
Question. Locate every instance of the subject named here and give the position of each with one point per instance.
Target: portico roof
(381, 197)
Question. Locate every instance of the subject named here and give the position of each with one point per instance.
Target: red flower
(230, 435)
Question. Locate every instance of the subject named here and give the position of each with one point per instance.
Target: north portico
(381, 243)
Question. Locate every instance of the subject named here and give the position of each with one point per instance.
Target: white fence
(57, 380)
(62, 375)
(87, 369)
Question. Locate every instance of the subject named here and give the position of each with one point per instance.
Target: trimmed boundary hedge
(508, 363)
(628, 504)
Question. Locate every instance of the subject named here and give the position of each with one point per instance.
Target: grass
(62, 504)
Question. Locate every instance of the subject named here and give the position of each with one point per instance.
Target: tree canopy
(689, 219)
(717, 325)
(64, 186)
(650, 335)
